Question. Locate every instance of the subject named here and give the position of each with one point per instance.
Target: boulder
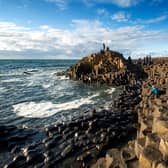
(152, 139)
(150, 157)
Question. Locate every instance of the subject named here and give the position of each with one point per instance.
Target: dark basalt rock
(74, 144)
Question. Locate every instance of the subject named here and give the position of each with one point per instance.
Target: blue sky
(37, 29)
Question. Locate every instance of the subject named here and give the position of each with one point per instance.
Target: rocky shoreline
(79, 143)
(132, 134)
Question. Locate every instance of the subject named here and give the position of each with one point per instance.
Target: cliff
(105, 67)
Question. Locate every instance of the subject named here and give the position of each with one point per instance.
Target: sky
(72, 29)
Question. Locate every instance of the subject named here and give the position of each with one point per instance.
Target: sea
(32, 95)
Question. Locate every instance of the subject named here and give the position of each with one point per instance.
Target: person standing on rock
(155, 91)
(104, 47)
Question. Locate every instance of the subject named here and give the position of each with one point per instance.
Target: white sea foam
(47, 109)
(43, 78)
(110, 91)
(45, 86)
(16, 73)
(62, 77)
(11, 80)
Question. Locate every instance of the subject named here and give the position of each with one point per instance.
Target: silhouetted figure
(104, 46)
(150, 60)
(129, 60)
(144, 61)
(139, 61)
(147, 60)
(107, 49)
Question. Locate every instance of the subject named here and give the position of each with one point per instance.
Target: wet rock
(67, 150)
(34, 157)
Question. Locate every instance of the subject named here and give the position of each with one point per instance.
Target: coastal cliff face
(108, 67)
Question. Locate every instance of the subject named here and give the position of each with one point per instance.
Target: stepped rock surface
(150, 147)
(108, 67)
(151, 144)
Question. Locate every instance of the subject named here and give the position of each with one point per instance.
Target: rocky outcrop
(108, 67)
(151, 145)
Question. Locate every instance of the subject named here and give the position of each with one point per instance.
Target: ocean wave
(47, 109)
(10, 74)
(3, 89)
(13, 73)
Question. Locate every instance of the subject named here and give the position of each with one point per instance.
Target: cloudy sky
(66, 29)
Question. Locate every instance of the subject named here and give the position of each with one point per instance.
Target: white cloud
(85, 37)
(125, 3)
(61, 4)
(120, 3)
(150, 21)
(120, 17)
(155, 20)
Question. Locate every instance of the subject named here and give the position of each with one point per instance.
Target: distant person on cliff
(129, 60)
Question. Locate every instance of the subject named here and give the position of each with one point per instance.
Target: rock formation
(108, 67)
(99, 139)
(151, 145)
